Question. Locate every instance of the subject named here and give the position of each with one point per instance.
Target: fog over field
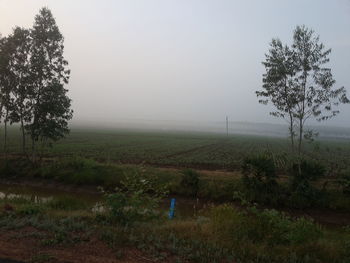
(219, 127)
(189, 63)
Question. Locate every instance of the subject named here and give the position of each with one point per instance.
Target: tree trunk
(300, 137)
(33, 150)
(5, 139)
(23, 137)
(291, 131)
(5, 136)
(300, 144)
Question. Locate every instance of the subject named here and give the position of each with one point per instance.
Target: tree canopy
(33, 73)
(299, 84)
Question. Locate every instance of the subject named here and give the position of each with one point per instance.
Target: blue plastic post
(172, 208)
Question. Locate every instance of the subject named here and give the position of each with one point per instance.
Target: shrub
(303, 230)
(267, 226)
(190, 181)
(259, 179)
(227, 222)
(83, 171)
(309, 171)
(136, 200)
(30, 209)
(302, 193)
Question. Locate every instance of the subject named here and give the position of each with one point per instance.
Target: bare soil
(28, 249)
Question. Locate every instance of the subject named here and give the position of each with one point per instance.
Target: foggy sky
(180, 59)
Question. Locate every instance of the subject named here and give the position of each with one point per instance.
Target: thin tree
(313, 82)
(277, 84)
(299, 85)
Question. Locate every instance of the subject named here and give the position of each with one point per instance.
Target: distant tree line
(299, 84)
(33, 73)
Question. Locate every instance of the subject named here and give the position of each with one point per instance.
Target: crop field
(181, 149)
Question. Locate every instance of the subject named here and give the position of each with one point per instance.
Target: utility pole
(227, 126)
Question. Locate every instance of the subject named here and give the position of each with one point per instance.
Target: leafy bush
(82, 171)
(259, 179)
(306, 171)
(303, 230)
(30, 209)
(136, 200)
(190, 181)
(267, 226)
(302, 193)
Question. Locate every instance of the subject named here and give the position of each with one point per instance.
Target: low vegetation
(221, 233)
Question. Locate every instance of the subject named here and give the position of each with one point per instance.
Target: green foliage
(303, 194)
(310, 171)
(190, 182)
(261, 167)
(135, 201)
(267, 226)
(299, 84)
(82, 171)
(223, 234)
(303, 230)
(48, 97)
(259, 179)
(33, 73)
(30, 209)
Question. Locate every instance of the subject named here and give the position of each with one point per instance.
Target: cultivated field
(181, 149)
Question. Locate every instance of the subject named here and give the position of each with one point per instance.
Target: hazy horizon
(177, 61)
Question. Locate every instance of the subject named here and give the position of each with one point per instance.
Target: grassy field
(236, 227)
(195, 150)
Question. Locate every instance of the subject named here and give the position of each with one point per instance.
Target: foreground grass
(218, 234)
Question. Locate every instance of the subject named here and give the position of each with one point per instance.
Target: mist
(192, 61)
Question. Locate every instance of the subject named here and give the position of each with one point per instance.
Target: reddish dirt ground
(28, 249)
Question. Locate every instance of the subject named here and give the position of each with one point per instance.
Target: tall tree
(2, 69)
(49, 101)
(298, 84)
(277, 83)
(6, 78)
(19, 64)
(313, 82)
